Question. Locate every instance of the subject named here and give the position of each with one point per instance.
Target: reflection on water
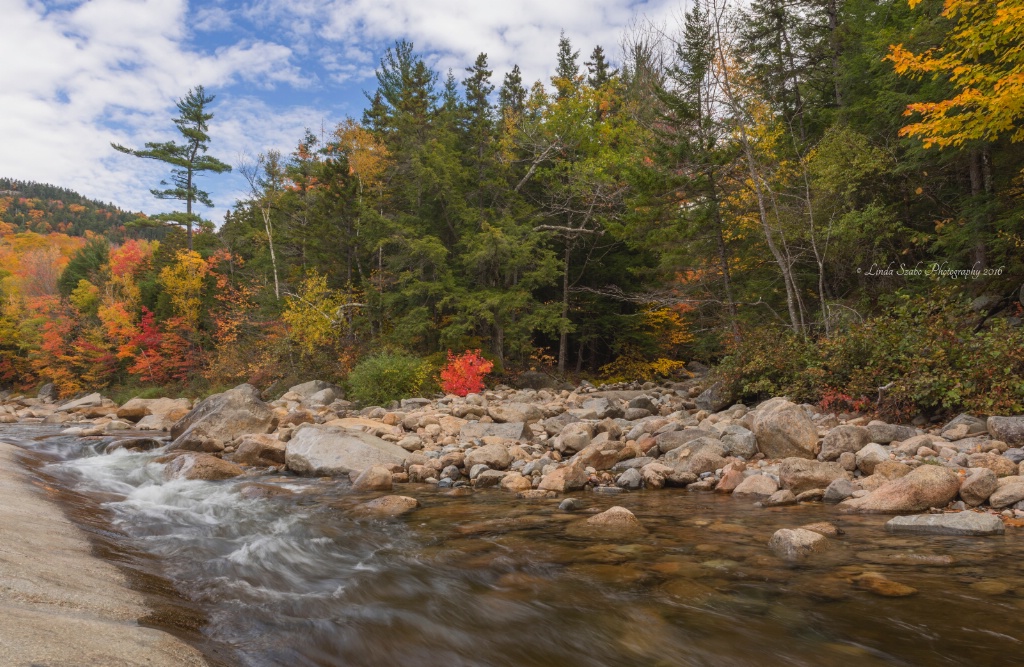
(486, 579)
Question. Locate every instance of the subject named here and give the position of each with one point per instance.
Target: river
(298, 579)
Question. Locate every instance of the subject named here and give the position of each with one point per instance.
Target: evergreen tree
(599, 70)
(567, 69)
(188, 158)
(512, 95)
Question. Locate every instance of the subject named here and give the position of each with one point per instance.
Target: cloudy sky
(77, 75)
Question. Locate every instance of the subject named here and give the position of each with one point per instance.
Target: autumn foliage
(464, 374)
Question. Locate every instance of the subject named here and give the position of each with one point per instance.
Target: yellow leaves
(183, 282)
(367, 157)
(85, 296)
(318, 315)
(983, 58)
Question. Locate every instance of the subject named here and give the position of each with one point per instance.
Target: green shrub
(771, 362)
(928, 352)
(389, 376)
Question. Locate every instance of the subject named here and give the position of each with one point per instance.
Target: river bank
(62, 606)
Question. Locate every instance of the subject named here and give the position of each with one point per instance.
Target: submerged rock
(614, 522)
(797, 544)
(961, 523)
(388, 506)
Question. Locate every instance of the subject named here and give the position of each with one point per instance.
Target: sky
(78, 75)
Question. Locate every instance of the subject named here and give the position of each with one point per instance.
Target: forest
(825, 198)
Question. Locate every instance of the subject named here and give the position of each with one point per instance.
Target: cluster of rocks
(538, 443)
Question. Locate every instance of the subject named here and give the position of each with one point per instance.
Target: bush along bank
(548, 443)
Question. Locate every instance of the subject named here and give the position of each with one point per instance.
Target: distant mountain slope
(42, 208)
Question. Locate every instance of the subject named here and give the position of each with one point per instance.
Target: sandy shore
(60, 605)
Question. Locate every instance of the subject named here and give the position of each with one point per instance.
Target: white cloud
(80, 77)
(82, 73)
(453, 32)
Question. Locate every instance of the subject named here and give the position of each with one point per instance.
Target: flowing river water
(295, 578)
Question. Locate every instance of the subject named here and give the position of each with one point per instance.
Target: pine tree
(188, 158)
(598, 68)
(567, 71)
(512, 95)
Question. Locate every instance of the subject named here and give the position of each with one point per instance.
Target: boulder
(510, 413)
(90, 401)
(514, 481)
(839, 491)
(387, 506)
(1008, 429)
(756, 486)
(797, 544)
(574, 437)
(961, 523)
(891, 470)
(135, 409)
(603, 408)
(194, 465)
(374, 478)
(697, 456)
(307, 390)
(674, 439)
(978, 486)
(134, 445)
(1000, 465)
(48, 392)
(1007, 495)
(569, 477)
(221, 418)
(714, 398)
(489, 478)
(739, 441)
(779, 499)
(846, 438)
(259, 449)
(494, 456)
(603, 455)
(506, 431)
(869, 456)
(783, 430)
(963, 426)
(927, 486)
(615, 522)
(334, 450)
(883, 433)
(799, 474)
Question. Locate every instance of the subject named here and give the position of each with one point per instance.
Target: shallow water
(490, 580)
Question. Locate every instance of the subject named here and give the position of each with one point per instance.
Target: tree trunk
(563, 340)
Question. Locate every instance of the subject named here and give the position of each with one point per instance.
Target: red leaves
(465, 373)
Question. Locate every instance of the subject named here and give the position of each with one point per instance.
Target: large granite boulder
(845, 438)
(925, 487)
(221, 418)
(1008, 429)
(799, 474)
(783, 430)
(334, 450)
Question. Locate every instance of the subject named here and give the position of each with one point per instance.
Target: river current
(297, 578)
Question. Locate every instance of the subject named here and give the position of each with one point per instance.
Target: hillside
(26, 206)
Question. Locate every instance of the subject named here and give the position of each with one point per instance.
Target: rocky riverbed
(661, 487)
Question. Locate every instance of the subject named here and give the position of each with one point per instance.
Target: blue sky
(79, 75)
